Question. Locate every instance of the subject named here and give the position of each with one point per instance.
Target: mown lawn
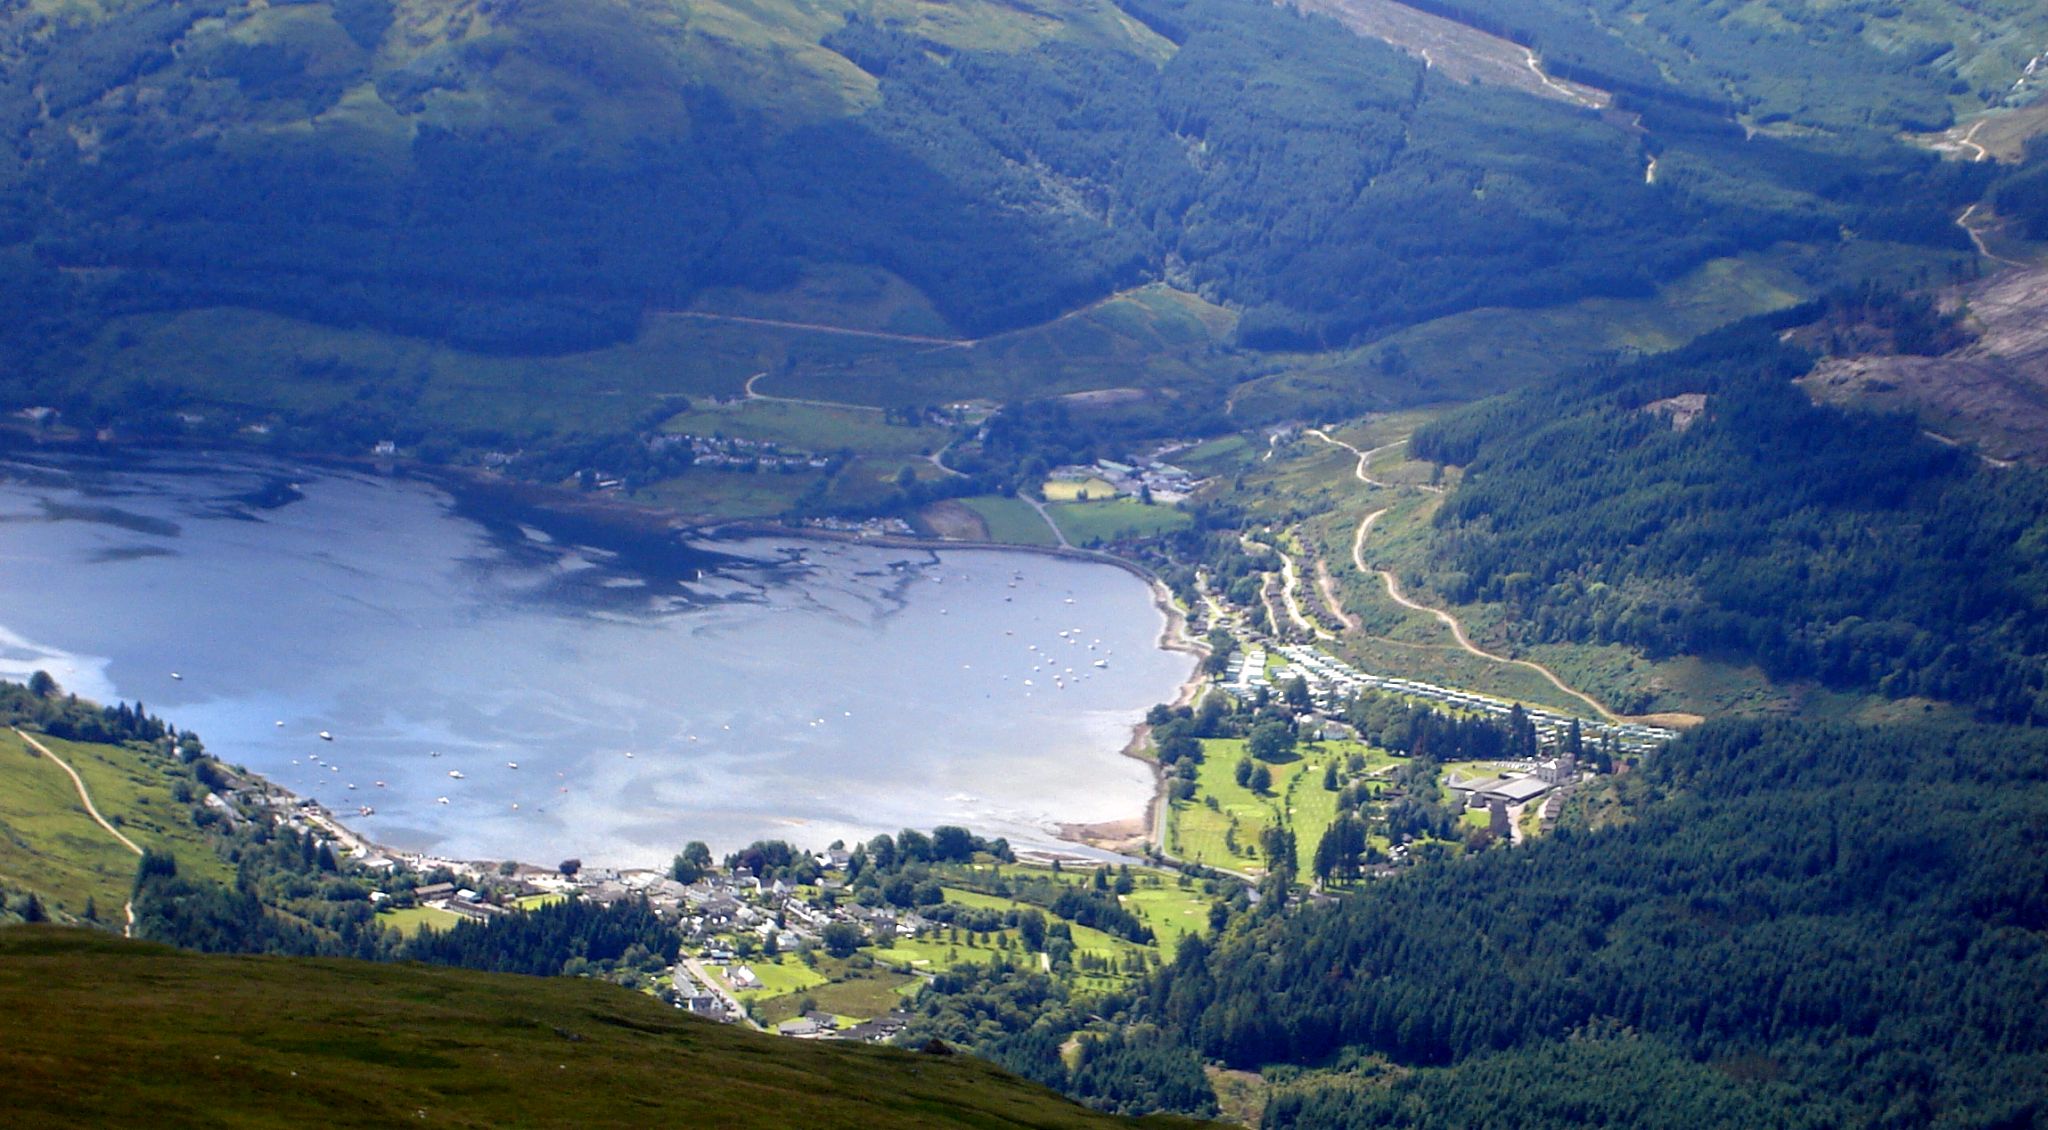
(1069, 490)
(1087, 523)
(412, 919)
(1173, 913)
(1201, 834)
(777, 977)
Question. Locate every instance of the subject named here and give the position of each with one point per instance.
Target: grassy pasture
(103, 1032)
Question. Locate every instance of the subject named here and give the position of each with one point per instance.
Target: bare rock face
(1683, 409)
(1991, 393)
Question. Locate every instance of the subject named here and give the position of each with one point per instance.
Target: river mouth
(501, 683)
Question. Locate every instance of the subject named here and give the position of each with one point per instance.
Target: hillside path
(1365, 459)
(1977, 239)
(1394, 592)
(1393, 583)
(90, 810)
(755, 394)
(822, 328)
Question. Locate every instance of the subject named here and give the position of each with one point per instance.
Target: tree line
(1818, 542)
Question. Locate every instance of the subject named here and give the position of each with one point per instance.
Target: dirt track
(90, 810)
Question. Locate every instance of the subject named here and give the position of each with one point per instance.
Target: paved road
(705, 978)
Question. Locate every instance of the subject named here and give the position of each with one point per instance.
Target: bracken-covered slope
(101, 1032)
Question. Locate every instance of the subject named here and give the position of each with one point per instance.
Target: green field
(1200, 834)
(1011, 520)
(1297, 801)
(862, 999)
(778, 976)
(412, 919)
(1087, 523)
(52, 847)
(1072, 490)
(1172, 913)
(103, 1032)
(936, 953)
(1151, 337)
(1217, 456)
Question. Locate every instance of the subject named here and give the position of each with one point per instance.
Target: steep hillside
(1782, 925)
(528, 176)
(102, 1032)
(1989, 388)
(1698, 503)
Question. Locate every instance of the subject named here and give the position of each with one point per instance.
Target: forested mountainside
(519, 175)
(1699, 503)
(1786, 924)
(1889, 65)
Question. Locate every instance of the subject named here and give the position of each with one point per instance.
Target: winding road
(91, 810)
(1449, 621)
(1977, 239)
(1365, 460)
(1394, 593)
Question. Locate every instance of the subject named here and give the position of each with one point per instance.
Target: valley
(1338, 563)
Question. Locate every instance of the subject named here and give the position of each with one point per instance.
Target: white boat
(1102, 663)
(455, 774)
(440, 800)
(511, 765)
(325, 736)
(175, 675)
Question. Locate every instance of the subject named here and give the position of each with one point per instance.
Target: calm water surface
(808, 691)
